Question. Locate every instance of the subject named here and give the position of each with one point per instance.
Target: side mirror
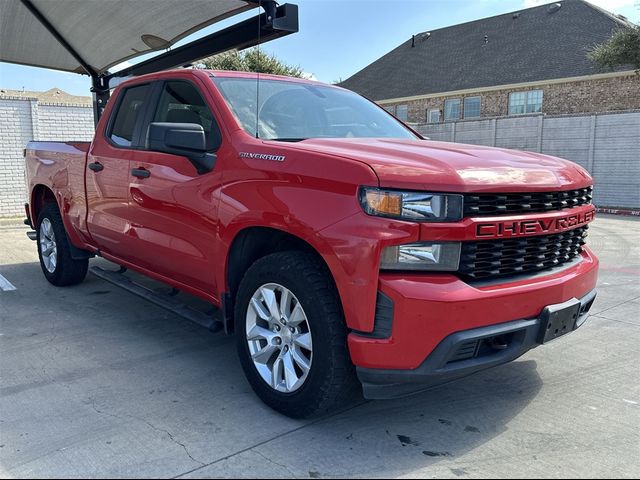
(184, 139)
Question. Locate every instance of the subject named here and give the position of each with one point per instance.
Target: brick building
(525, 62)
(25, 116)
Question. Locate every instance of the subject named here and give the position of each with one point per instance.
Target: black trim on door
(150, 113)
(135, 143)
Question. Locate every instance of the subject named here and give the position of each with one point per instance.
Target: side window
(433, 115)
(534, 101)
(402, 112)
(181, 102)
(472, 107)
(525, 102)
(452, 109)
(127, 115)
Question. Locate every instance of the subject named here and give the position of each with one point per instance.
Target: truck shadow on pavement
(126, 389)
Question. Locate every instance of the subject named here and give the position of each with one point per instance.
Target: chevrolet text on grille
(533, 227)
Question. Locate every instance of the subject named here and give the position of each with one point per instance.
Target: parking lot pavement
(95, 382)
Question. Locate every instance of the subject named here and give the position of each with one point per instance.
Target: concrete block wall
(23, 120)
(616, 160)
(607, 145)
(16, 129)
(569, 137)
(521, 133)
(440, 132)
(65, 123)
(475, 133)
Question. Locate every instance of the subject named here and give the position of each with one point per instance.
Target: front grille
(517, 203)
(491, 259)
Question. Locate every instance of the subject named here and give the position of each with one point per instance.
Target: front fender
(290, 207)
(352, 249)
(331, 222)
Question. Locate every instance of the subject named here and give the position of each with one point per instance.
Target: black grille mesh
(516, 203)
(491, 259)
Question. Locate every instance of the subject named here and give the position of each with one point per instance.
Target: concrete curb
(11, 222)
(619, 211)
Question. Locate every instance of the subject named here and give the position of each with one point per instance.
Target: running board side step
(168, 302)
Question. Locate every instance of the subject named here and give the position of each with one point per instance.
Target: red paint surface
(431, 307)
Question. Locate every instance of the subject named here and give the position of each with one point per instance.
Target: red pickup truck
(337, 243)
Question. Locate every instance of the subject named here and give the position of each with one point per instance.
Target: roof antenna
(258, 72)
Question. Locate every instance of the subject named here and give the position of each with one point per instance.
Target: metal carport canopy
(90, 36)
(101, 33)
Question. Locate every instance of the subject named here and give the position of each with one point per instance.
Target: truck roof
(224, 74)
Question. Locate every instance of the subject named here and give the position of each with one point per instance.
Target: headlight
(411, 206)
(441, 257)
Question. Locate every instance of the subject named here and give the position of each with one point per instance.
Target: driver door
(173, 209)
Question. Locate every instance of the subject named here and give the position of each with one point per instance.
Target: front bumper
(464, 353)
(429, 310)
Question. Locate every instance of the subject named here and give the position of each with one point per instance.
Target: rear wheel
(54, 251)
(291, 336)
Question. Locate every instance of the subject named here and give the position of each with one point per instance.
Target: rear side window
(128, 114)
(181, 102)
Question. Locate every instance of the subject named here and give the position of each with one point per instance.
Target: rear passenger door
(108, 171)
(173, 209)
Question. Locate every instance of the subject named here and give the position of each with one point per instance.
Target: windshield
(292, 111)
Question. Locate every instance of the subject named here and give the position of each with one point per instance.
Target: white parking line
(5, 285)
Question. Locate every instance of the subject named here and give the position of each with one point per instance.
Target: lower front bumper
(462, 354)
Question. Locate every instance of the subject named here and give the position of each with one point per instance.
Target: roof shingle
(534, 44)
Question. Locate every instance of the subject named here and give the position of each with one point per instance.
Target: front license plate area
(558, 320)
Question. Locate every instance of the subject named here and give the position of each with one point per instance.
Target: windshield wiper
(285, 139)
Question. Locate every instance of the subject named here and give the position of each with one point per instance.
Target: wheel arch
(253, 243)
(41, 195)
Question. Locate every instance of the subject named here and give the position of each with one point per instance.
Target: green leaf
(252, 60)
(622, 49)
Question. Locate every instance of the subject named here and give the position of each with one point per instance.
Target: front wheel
(56, 262)
(291, 335)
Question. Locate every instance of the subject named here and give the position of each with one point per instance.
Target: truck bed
(60, 167)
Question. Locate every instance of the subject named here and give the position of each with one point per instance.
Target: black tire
(67, 271)
(331, 381)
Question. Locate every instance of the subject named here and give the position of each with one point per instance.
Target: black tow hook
(499, 343)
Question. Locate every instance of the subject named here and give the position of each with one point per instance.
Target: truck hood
(423, 164)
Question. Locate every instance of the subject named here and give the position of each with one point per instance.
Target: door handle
(96, 167)
(141, 173)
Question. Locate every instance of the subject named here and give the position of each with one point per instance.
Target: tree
(623, 48)
(252, 60)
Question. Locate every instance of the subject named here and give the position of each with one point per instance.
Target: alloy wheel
(48, 246)
(279, 338)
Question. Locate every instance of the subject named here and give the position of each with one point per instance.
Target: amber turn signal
(384, 202)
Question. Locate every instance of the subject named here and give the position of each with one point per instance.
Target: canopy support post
(101, 94)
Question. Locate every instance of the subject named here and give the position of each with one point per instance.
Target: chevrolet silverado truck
(342, 249)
